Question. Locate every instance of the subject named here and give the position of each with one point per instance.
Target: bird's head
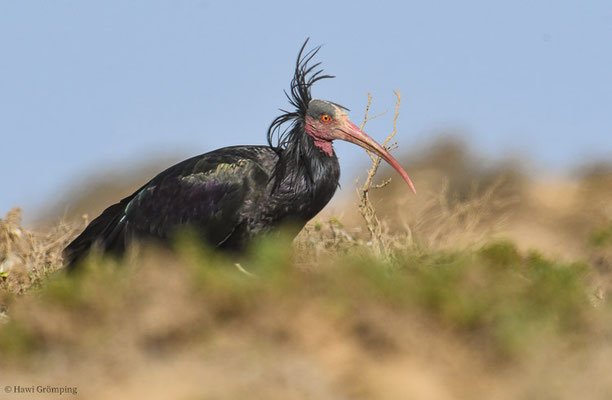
(326, 121)
(323, 121)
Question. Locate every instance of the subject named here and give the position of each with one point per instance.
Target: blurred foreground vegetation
(324, 318)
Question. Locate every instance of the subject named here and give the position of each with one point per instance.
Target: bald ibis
(233, 194)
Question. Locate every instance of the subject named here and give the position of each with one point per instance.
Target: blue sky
(91, 86)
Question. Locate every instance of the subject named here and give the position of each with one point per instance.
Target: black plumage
(230, 195)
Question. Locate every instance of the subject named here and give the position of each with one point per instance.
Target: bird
(235, 194)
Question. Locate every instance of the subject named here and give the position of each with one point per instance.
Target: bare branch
(365, 117)
(366, 208)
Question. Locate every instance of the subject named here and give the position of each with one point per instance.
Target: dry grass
(446, 222)
(27, 256)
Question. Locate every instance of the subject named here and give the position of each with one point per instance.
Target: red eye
(325, 118)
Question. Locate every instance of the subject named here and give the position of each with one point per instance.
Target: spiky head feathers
(299, 96)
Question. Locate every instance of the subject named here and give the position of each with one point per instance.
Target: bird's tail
(106, 231)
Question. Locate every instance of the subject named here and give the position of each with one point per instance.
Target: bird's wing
(212, 194)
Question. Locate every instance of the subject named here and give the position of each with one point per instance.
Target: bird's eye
(325, 118)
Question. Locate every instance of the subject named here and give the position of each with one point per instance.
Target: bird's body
(226, 195)
(231, 195)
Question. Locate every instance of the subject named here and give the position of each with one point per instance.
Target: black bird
(233, 194)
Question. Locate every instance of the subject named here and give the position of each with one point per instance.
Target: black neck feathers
(297, 156)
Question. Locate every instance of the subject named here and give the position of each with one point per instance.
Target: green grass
(601, 237)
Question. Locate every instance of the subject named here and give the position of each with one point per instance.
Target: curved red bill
(355, 135)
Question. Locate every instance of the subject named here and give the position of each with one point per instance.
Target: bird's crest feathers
(288, 128)
(299, 96)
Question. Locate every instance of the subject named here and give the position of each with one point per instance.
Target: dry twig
(366, 208)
